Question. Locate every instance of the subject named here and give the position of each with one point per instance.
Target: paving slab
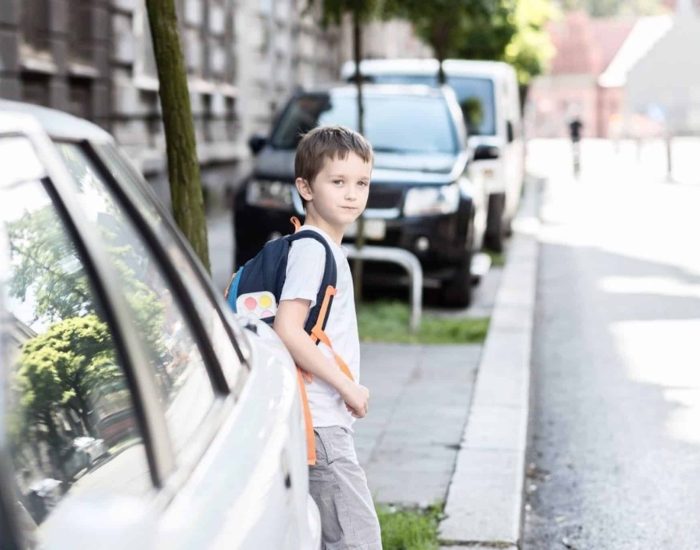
(420, 396)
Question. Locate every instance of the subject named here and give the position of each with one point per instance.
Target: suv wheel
(457, 291)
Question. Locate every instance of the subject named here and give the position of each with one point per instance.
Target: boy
(333, 166)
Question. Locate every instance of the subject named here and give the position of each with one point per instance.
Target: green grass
(409, 529)
(389, 322)
(498, 259)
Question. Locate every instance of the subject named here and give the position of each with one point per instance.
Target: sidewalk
(448, 423)
(420, 400)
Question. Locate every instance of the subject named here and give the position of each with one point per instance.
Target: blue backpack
(255, 288)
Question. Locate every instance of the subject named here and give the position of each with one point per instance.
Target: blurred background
(628, 70)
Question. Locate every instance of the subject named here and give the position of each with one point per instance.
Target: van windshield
(391, 122)
(475, 96)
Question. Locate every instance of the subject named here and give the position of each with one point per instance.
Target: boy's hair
(327, 142)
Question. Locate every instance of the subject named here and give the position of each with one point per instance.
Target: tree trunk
(360, 237)
(183, 165)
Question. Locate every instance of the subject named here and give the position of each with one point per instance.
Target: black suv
(420, 200)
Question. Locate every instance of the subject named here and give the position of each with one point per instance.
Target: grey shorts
(339, 487)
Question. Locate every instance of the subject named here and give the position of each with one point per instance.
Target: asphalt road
(614, 455)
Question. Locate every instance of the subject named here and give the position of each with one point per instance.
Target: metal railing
(405, 259)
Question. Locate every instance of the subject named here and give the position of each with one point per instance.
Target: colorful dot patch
(257, 304)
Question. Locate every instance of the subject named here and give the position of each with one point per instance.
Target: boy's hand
(356, 398)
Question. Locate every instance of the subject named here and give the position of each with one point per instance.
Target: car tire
(457, 291)
(495, 224)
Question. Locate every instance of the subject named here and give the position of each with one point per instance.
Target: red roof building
(584, 48)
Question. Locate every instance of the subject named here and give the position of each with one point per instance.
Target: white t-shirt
(305, 265)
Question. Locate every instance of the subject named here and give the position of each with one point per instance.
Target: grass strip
(389, 322)
(409, 528)
(498, 259)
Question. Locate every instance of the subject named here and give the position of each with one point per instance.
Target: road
(614, 454)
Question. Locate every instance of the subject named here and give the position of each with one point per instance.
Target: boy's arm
(289, 325)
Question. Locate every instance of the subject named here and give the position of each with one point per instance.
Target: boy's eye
(363, 183)
(338, 182)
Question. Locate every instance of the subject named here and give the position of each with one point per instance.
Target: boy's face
(338, 194)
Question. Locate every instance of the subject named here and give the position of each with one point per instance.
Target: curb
(485, 498)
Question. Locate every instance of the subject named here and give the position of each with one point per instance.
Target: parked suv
(117, 351)
(421, 198)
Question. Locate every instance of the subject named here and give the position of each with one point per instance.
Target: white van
(489, 96)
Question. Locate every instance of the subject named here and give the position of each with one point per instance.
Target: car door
(67, 370)
(182, 366)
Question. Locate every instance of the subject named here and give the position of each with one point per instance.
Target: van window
(69, 414)
(390, 122)
(476, 98)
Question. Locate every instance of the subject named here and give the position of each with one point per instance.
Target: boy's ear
(304, 188)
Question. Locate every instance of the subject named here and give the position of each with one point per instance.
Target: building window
(35, 89)
(35, 24)
(80, 97)
(145, 70)
(80, 25)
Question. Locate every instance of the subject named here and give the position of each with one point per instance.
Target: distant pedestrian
(575, 132)
(333, 167)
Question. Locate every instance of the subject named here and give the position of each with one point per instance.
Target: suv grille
(381, 196)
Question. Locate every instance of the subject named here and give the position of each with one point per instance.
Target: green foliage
(47, 266)
(60, 367)
(501, 30)
(409, 529)
(389, 322)
(440, 23)
(333, 11)
(485, 35)
(531, 49)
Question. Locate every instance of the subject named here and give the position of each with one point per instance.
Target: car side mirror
(510, 132)
(486, 152)
(256, 143)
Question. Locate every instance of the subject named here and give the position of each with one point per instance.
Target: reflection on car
(422, 198)
(130, 394)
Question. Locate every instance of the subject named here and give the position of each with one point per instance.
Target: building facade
(94, 58)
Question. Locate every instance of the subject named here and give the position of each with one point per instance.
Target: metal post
(405, 259)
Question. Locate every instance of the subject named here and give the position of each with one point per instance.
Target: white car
(201, 435)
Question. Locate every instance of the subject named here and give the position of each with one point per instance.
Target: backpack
(255, 290)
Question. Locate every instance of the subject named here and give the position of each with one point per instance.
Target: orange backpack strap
(318, 335)
(308, 423)
(296, 223)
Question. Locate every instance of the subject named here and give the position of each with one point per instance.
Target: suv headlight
(421, 201)
(269, 194)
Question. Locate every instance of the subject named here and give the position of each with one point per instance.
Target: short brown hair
(328, 142)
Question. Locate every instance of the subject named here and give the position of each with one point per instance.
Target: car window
(176, 361)
(390, 122)
(124, 172)
(475, 97)
(68, 416)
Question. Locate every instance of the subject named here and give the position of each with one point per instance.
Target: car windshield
(475, 96)
(391, 121)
